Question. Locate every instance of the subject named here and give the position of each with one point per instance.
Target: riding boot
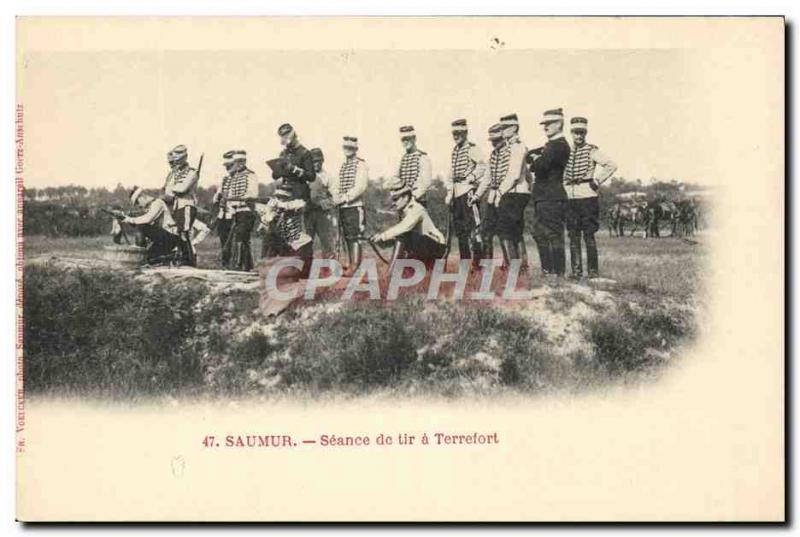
(355, 248)
(559, 256)
(522, 250)
(505, 246)
(463, 247)
(488, 247)
(576, 263)
(545, 256)
(591, 255)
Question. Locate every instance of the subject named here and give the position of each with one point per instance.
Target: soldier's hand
(472, 198)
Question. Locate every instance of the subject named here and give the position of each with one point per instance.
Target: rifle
(119, 216)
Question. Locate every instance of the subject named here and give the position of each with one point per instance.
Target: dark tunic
(548, 170)
(301, 157)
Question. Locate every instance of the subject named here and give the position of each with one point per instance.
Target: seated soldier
(415, 236)
(156, 225)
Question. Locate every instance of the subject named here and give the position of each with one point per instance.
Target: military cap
(234, 155)
(177, 153)
(350, 141)
(509, 120)
(496, 131)
(285, 129)
(578, 123)
(459, 125)
(556, 114)
(407, 131)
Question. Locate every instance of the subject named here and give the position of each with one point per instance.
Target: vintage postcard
(400, 269)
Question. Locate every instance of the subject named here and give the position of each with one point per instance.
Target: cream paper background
(704, 443)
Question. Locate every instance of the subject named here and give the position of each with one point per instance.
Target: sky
(98, 118)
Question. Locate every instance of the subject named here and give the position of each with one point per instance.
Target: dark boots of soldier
(464, 248)
(576, 262)
(488, 247)
(522, 250)
(591, 255)
(559, 258)
(477, 255)
(355, 249)
(545, 256)
(509, 252)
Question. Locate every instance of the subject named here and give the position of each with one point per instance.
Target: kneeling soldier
(156, 225)
(347, 196)
(466, 184)
(179, 190)
(283, 217)
(415, 236)
(582, 181)
(236, 194)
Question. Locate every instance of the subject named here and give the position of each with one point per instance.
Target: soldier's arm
(184, 185)
(360, 185)
(606, 165)
(252, 187)
(305, 171)
(411, 218)
(424, 179)
(480, 173)
(153, 211)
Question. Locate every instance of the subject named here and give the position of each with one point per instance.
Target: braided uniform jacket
(409, 168)
(179, 177)
(580, 166)
(236, 186)
(347, 174)
(460, 162)
(499, 161)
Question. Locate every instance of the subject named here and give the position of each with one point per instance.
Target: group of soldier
(486, 200)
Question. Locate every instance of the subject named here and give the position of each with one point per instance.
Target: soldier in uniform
(298, 164)
(498, 168)
(179, 191)
(466, 183)
(587, 169)
(415, 166)
(156, 225)
(415, 236)
(515, 194)
(347, 196)
(235, 196)
(318, 218)
(549, 196)
(283, 215)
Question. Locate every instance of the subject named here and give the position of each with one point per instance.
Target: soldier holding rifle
(235, 196)
(179, 191)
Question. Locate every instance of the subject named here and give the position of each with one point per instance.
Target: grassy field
(114, 336)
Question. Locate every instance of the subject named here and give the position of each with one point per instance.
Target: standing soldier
(347, 196)
(297, 165)
(549, 196)
(587, 169)
(415, 166)
(498, 168)
(318, 217)
(466, 184)
(515, 192)
(179, 191)
(236, 194)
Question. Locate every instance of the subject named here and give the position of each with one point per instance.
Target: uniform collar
(556, 136)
